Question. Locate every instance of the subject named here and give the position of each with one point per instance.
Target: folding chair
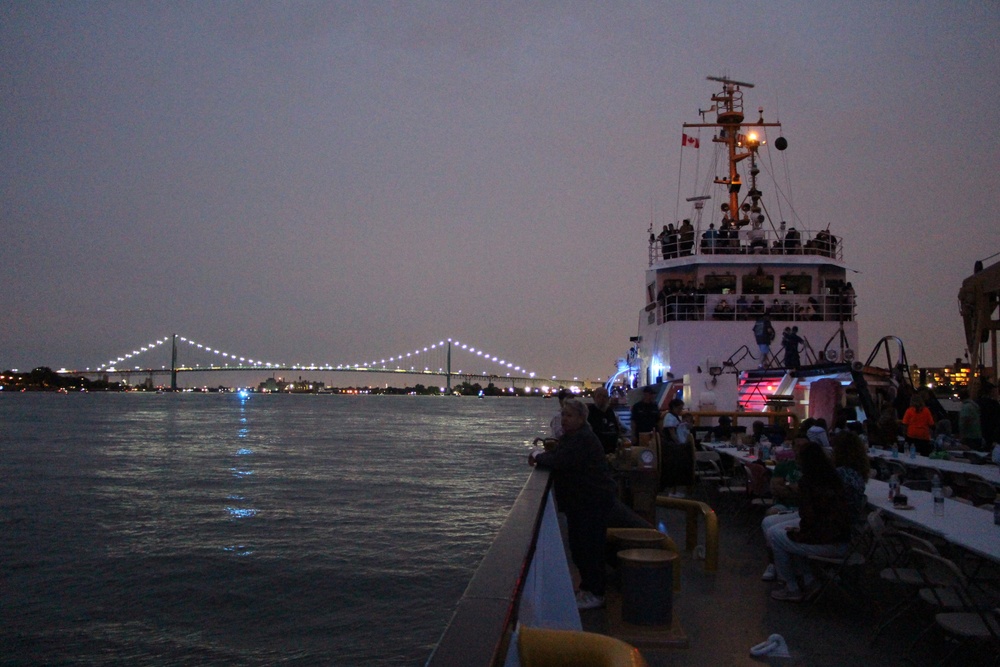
(909, 579)
(981, 492)
(758, 494)
(837, 571)
(709, 471)
(957, 613)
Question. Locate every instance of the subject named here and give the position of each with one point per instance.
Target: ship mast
(728, 107)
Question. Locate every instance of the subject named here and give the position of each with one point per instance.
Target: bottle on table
(893, 485)
(938, 494)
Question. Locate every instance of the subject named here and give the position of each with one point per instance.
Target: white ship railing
(746, 241)
(729, 307)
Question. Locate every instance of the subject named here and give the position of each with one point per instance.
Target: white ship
(742, 254)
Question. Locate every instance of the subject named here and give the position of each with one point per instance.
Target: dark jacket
(580, 472)
(824, 516)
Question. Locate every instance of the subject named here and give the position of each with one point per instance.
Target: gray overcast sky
(337, 182)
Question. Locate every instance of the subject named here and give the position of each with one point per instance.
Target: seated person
(824, 527)
(723, 432)
(723, 311)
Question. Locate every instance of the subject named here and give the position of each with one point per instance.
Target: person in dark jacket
(824, 525)
(645, 414)
(604, 421)
(586, 492)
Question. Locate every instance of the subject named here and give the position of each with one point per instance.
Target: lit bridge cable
(429, 359)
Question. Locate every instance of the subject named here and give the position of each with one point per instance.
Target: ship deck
(724, 614)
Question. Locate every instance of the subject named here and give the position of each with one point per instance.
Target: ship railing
(523, 578)
(746, 241)
(828, 307)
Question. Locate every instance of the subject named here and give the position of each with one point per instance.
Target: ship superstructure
(736, 260)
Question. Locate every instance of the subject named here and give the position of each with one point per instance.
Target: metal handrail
(783, 307)
(749, 242)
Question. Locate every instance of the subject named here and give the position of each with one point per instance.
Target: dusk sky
(339, 182)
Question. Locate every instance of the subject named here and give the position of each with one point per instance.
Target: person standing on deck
(791, 343)
(645, 414)
(763, 333)
(686, 237)
(586, 493)
(970, 425)
(604, 422)
(918, 420)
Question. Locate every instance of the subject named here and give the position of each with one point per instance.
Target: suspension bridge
(449, 359)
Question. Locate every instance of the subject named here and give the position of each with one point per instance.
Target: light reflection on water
(347, 541)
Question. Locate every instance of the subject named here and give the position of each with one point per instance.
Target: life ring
(541, 647)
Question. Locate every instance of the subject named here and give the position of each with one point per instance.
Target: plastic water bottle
(938, 493)
(895, 451)
(893, 485)
(913, 451)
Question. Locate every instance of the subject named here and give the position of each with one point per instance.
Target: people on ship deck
(586, 492)
(645, 414)
(763, 333)
(602, 419)
(784, 486)
(723, 311)
(686, 237)
(662, 238)
(970, 425)
(790, 343)
(709, 239)
(989, 414)
(918, 420)
(824, 527)
(793, 241)
(555, 424)
(853, 466)
(677, 463)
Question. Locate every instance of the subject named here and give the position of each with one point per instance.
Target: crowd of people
(679, 241)
(818, 483)
(688, 302)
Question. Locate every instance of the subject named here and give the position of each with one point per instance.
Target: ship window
(716, 284)
(758, 283)
(796, 284)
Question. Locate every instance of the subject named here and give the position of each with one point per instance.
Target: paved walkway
(725, 613)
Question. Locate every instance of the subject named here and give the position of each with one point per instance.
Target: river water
(202, 529)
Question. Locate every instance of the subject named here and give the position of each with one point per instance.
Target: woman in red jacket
(918, 422)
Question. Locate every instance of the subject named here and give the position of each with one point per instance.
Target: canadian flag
(689, 141)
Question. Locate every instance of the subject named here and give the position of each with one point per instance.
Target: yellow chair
(541, 647)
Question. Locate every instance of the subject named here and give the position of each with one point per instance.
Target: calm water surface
(284, 529)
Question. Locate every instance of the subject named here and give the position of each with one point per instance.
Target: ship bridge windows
(796, 284)
(720, 284)
(758, 282)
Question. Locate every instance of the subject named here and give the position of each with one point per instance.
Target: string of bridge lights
(243, 361)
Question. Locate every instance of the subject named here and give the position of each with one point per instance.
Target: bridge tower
(173, 363)
(447, 377)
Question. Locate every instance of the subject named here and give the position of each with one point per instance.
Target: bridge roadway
(513, 380)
